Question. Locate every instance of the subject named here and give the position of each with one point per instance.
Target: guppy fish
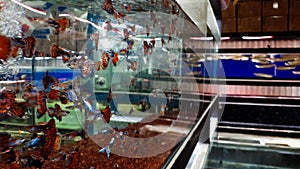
(10, 46)
(37, 158)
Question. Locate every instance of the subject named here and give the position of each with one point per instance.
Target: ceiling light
(201, 38)
(275, 5)
(225, 38)
(81, 20)
(256, 37)
(30, 8)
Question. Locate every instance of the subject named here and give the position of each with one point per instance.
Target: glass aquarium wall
(99, 84)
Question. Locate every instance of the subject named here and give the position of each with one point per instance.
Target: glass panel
(108, 79)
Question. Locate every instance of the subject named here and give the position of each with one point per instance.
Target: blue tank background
(245, 69)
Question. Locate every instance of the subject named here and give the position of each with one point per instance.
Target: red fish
(26, 44)
(14, 51)
(57, 143)
(115, 59)
(58, 51)
(148, 47)
(97, 65)
(28, 87)
(8, 94)
(63, 98)
(57, 112)
(63, 23)
(8, 105)
(11, 157)
(65, 53)
(105, 60)
(5, 48)
(2, 4)
(47, 80)
(30, 95)
(4, 107)
(163, 42)
(106, 114)
(53, 51)
(108, 7)
(49, 130)
(59, 24)
(53, 94)
(124, 51)
(65, 58)
(41, 101)
(119, 15)
(18, 109)
(24, 28)
(28, 49)
(40, 54)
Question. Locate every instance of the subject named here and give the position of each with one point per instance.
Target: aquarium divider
(184, 152)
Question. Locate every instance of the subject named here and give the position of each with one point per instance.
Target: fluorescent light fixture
(201, 38)
(256, 37)
(11, 81)
(133, 57)
(81, 20)
(275, 5)
(42, 58)
(225, 38)
(64, 15)
(29, 8)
